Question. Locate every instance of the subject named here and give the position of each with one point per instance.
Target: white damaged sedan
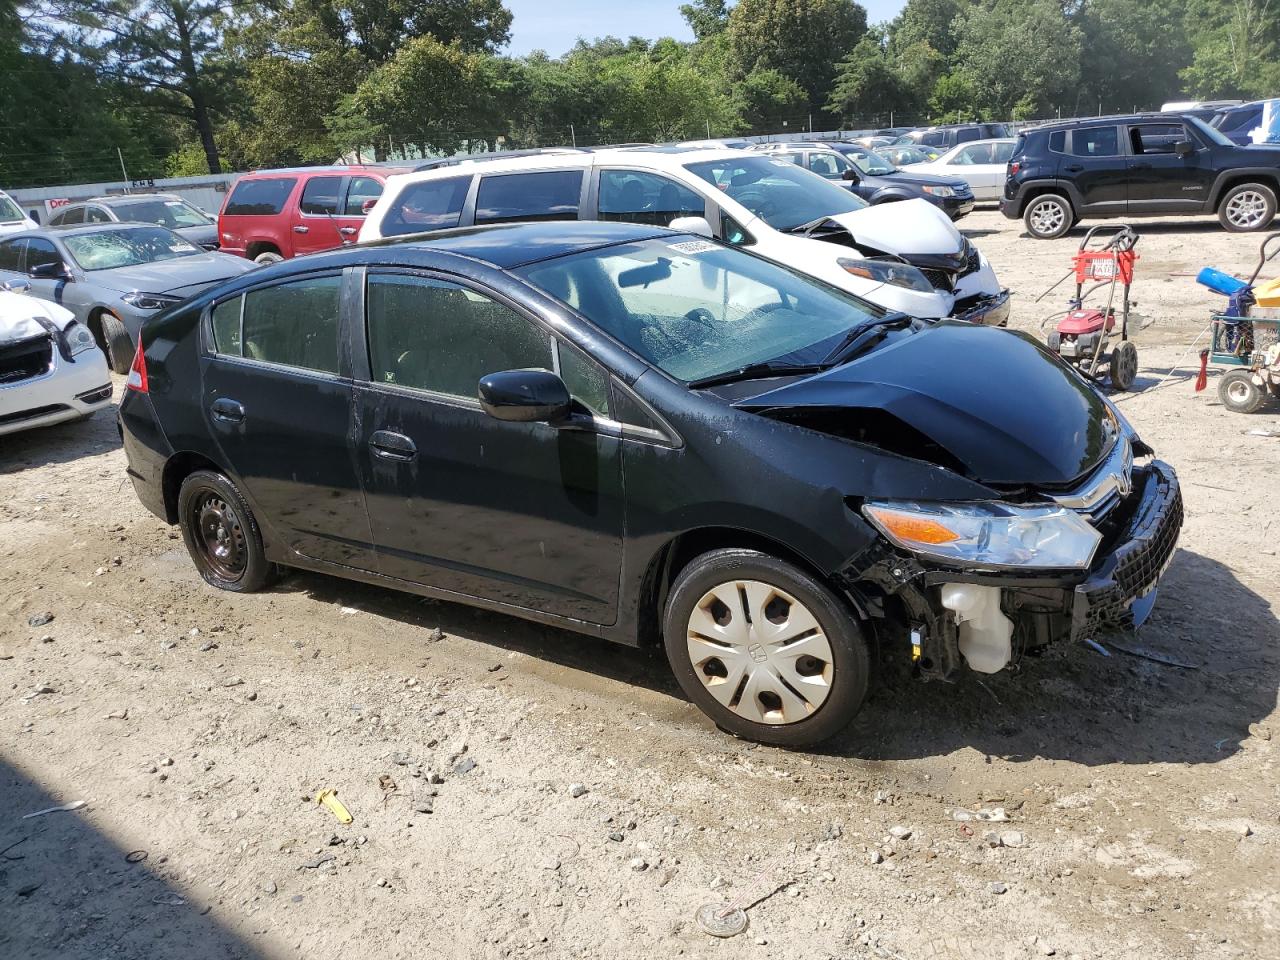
(51, 369)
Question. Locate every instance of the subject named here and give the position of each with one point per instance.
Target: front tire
(1247, 207)
(1239, 393)
(221, 534)
(1048, 216)
(764, 649)
(267, 257)
(117, 343)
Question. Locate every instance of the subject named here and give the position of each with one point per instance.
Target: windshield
(1214, 135)
(777, 191)
(167, 213)
(9, 212)
(696, 309)
(107, 249)
(869, 164)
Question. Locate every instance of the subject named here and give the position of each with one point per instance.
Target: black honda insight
(649, 437)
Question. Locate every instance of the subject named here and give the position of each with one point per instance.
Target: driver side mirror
(850, 174)
(525, 396)
(51, 270)
(698, 225)
(1184, 148)
(367, 206)
(15, 286)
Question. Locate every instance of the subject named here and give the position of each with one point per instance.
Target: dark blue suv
(1144, 165)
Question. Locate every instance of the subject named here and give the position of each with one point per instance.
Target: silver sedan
(113, 276)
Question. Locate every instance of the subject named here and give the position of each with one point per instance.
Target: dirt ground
(1142, 793)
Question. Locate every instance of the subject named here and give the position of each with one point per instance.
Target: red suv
(272, 215)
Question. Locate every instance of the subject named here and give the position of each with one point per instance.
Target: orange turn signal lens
(915, 529)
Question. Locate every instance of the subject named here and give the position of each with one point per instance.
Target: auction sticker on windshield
(694, 246)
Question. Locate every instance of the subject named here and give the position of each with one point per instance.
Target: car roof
(118, 198)
(1105, 121)
(338, 168)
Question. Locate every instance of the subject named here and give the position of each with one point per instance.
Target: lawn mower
(1246, 336)
(1084, 336)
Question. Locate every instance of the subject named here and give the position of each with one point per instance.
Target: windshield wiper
(807, 228)
(753, 371)
(864, 335)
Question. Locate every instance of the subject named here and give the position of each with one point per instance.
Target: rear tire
(222, 534)
(1048, 216)
(1247, 207)
(1239, 393)
(117, 343)
(1124, 365)
(783, 662)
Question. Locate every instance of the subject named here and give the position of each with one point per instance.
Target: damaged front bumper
(922, 605)
(991, 311)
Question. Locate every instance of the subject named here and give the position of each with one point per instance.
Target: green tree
(926, 21)
(706, 18)
(1134, 54)
(166, 51)
(801, 39)
(765, 98)
(866, 84)
(1236, 48)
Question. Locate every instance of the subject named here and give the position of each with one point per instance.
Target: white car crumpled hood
(904, 227)
(18, 312)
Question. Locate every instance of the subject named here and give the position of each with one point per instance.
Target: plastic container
(1220, 282)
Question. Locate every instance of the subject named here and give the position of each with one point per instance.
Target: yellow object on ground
(1268, 294)
(330, 799)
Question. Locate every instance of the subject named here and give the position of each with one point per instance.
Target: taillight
(138, 371)
(1014, 167)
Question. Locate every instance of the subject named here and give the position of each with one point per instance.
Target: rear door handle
(227, 411)
(301, 229)
(346, 231)
(1074, 168)
(392, 446)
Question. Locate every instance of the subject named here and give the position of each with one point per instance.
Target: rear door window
(11, 255)
(1095, 142)
(97, 215)
(430, 205)
(934, 138)
(1149, 138)
(259, 198)
(295, 324)
(74, 215)
(825, 165)
(41, 251)
(361, 191)
(1001, 152)
(529, 196)
(965, 134)
(631, 196)
(320, 196)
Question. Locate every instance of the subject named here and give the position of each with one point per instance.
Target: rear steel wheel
(221, 533)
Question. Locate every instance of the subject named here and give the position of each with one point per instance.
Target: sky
(554, 25)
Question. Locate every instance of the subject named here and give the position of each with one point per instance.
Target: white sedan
(51, 369)
(981, 163)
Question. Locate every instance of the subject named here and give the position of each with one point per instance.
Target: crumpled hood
(920, 179)
(997, 401)
(181, 276)
(905, 227)
(18, 312)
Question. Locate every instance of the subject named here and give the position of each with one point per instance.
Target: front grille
(25, 359)
(32, 414)
(939, 279)
(1145, 550)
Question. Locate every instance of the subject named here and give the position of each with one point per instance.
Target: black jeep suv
(1152, 165)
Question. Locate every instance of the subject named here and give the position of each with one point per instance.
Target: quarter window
(74, 215)
(259, 198)
(320, 196)
(434, 335)
(1095, 142)
(529, 196)
(633, 197)
(295, 324)
(430, 205)
(96, 215)
(362, 191)
(11, 256)
(586, 379)
(1058, 141)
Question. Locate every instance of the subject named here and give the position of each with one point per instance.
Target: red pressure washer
(1083, 336)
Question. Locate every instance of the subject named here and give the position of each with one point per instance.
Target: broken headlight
(150, 301)
(79, 338)
(988, 534)
(888, 271)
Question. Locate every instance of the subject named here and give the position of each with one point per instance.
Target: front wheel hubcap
(1247, 209)
(760, 652)
(1239, 391)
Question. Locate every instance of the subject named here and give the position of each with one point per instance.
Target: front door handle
(227, 411)
(392, 446)
(301, 229)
